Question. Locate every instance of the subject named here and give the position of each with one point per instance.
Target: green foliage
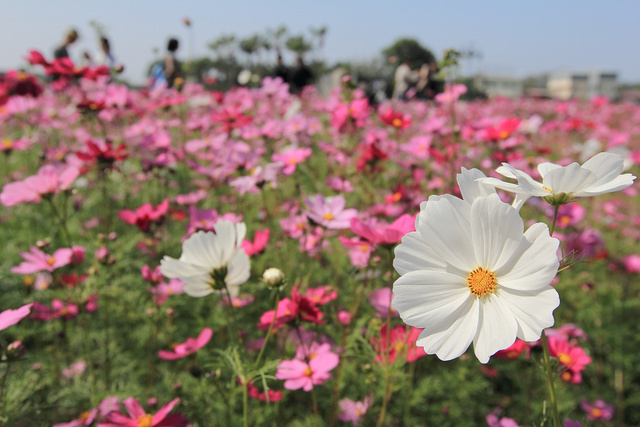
(409, 50)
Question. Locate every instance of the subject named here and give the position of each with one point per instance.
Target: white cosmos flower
(470, 274)
(209, 261)
(598, 175)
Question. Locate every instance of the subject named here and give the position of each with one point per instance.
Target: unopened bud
(273, 277)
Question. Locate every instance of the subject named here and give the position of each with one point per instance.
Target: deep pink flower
(138, 417)
(103, 153)
(494, 421)
(600, 410)
(35, 260)
(11, 317)
(57, 309)
(305, 375)
(572, 358)
(260, 241)
(145, 215)
(382, 233)
(190, 346)
(395, 118)
(632, 263)
(397, 342)
(514, 351)
(254, 393)
(359, 250)
(329, 211)
(48, 180)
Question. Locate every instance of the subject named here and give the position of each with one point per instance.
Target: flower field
(253, 257)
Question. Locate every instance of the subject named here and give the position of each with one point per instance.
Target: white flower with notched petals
(560, 184)
(209, 261)
(470, 274)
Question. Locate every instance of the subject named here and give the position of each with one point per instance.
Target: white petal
(470, 187)
(225, 242)
(533, 310)
(414, 254)
(569, 179)
(534, 263)
(199, 249)
(527, 183)
(453, 341)
(238, 269)
(605, 166)
(241, 232)
(546, 167)
(426, 299)
(506, 186)
(497, 328)
(197, 289)
(173, 268)
(619, 183)
(444, 226)
(496, 229)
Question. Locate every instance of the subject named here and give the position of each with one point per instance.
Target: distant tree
(298, 45)
(409, 50)
(250, 46)
(223, 46)
(276, 37)
(319, 34)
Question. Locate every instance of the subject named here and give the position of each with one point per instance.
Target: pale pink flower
(329, 211)
(352, 411)
(600, 410)
(74, 369)
(291, 157)
(305, 375)
(451, 93)
(49, 180)
(381, 299)
(11, 317)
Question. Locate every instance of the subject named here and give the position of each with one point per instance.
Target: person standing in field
(71, 37)
(172, 67)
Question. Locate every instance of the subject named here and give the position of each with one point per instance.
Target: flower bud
(273, 277)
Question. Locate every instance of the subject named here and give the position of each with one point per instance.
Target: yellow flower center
(28, 280)
(328, 216)
(564, 358)
(308, 372)
(547, 188)
(396, 123)
(312, 355)
(51, 260)
(145, 420)
(364, 248)
(84, 416)
(566, 376)
(595, 412)
(504, 134)
(481, 281)
(7, 143)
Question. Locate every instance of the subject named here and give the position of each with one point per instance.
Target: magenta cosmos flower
(329, 211)
(11, 317)
(138, 417)
(48, 180)
(598, 411)
(305, 375)
(382, 233)
(188, 347)
(353, 412)
(145, 215)
(35, 260)
(290, 157)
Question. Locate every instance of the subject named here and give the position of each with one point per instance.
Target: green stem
(273, 321)
(550, 380)
(245, 402)
(230, 329)
(555, 217)
(4, 381)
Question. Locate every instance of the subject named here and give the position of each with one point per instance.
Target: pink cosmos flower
(57, 309)
(494, 421)
(305, 375)
(338, 184)
(514, 351)
(291, 157)
(87, 418)
(260, 241)
(74, 369)
(138, 417)
(163, 290)
(399, 341)
(451, 93)
(295, 225)
(145, 215)
(381, 299)
(11, 317)
(190, 346)
(35, 260)
(598, 411)
(329, 211)
(359, 250)
(381, 233)
(572, 358)
(353, 412)
(632, 263)
(48, 180)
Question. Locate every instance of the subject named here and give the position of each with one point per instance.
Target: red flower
(395, 119)
(274, 395)
(145, 215)
(231, 118)
(371, 154)
(513, 352)
(103, 153)
(299, 307)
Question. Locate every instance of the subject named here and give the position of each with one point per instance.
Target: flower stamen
(481, 281)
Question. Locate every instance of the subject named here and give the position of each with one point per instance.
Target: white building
(585, 85)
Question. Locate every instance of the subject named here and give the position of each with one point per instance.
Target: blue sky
(514, 37)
